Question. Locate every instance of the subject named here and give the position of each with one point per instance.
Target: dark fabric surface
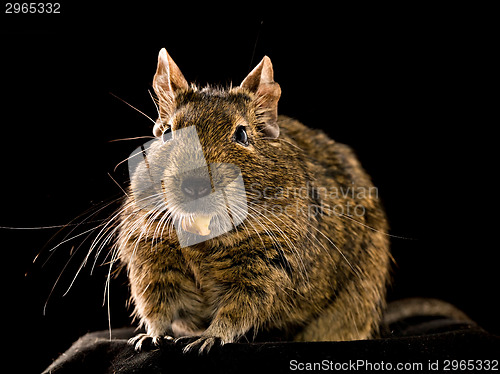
(416, 338)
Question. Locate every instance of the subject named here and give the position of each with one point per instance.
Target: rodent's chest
(203, 274)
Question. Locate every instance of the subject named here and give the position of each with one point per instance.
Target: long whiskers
(316, 242)
(133, 107)
(372, 228)
(285, 237)
(133, 138)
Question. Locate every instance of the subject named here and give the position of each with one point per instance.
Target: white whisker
(133, 107)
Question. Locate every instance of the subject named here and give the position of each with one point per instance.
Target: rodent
(283, 269)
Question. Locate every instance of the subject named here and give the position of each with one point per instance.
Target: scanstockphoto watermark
(348, 198)
(319, 192)
(313, 210)
(355, 365)
(427, 366)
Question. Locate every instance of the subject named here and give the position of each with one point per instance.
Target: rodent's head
(212, 147)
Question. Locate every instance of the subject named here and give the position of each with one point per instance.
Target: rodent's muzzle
(195, 188)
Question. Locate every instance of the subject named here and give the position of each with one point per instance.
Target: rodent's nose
(196, 187)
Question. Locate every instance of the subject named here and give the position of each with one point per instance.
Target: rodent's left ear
(168, 77)
(260, 81)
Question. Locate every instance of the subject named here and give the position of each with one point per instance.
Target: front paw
(141, 340)
(203, 344)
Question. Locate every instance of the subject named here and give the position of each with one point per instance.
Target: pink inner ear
(267, 75)
(167, 80)
(261, 74)
(261, 82)
(168, 76)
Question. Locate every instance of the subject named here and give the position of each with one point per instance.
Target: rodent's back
(337, 158)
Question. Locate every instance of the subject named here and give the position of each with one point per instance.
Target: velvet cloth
(417, 339)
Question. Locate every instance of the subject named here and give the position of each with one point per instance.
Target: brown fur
(306, 277)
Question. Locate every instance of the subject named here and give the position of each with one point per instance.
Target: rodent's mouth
(197, 224)
(196, 227)
(206, 217)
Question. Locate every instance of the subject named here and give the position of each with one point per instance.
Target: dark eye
(240, 136)
(167, 135)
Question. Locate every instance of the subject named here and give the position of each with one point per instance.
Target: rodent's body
(301, 265)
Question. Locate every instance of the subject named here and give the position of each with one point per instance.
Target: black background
(408, 89)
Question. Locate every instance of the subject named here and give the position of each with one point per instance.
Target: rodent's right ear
(260, 81)
(167, 80)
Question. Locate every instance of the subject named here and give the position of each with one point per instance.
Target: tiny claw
(203, 344)
(185, 339)
(141, 340)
